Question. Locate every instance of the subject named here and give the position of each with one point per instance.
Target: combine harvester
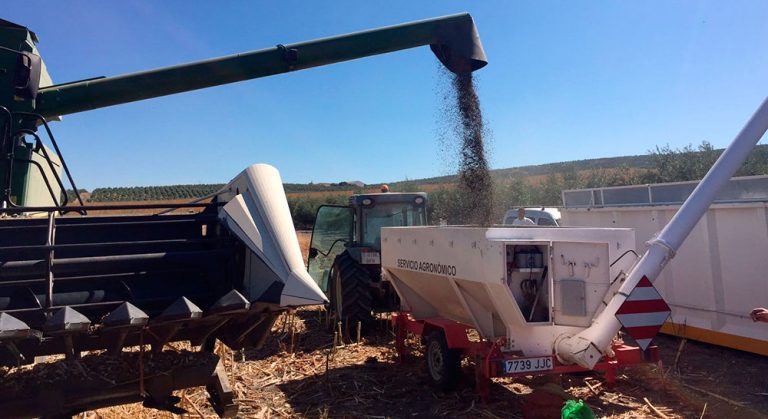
(81, 283)
(541, 300)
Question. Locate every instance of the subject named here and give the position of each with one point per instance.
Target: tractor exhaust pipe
(586, 348)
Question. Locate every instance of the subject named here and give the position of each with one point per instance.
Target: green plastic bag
(577, 410)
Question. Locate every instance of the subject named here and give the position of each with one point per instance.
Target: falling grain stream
(475, 187)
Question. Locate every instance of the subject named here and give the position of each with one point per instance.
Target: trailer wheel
(443, 364)
(350, 293)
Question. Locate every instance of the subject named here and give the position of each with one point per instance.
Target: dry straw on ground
(300, 373)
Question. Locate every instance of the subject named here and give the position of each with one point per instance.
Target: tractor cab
(344, 253)
(374, 211)
(356, 229)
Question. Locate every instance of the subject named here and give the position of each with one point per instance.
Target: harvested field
(298, 373)
(304, 237)
(170, 203)
(96, 367)
(318, 194)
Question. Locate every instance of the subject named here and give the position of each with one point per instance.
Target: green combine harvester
(72, 283)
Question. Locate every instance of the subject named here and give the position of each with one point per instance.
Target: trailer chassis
(489, 359)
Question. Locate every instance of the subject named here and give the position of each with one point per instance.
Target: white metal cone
(258, 214)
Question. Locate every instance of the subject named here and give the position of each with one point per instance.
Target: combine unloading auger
(453, 39)
(103, 283)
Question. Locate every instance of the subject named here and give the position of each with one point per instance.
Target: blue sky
(566, 80)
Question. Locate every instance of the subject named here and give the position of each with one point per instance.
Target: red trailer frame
(490, 360)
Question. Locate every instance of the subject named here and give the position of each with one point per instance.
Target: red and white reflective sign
(643, 313)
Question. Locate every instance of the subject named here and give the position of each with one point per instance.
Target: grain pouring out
(464, 135)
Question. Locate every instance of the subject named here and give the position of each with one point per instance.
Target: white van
(540, 216)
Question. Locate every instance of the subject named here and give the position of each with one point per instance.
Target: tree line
(511, 188)
(665, 164)
(172, 192)
(514, 189)
(153, 193)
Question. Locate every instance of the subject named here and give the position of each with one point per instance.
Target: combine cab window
(389, 215)
(333, 229)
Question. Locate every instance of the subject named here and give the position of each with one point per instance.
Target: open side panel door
(333, 230)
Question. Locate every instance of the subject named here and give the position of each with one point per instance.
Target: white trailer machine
(529, 285)
(541, 299)
(521, 289)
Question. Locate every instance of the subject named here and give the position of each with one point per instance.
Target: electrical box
(582, 279)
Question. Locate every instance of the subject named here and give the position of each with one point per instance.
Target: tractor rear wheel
(350, 296)
(443, 364)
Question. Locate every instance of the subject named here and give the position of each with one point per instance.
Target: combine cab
(345, 252)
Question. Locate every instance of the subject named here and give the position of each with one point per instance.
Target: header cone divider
(67, 320)
(181, 309)
(125, 315)
(12, 328)
(232, 301)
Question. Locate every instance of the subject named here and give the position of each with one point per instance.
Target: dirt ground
(301, 373)
(170, 203)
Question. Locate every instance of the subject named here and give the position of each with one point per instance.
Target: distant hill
(634, 162)
(140, 193)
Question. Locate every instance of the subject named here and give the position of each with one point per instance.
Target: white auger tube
(587, 347)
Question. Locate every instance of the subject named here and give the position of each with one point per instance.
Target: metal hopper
(512, 283)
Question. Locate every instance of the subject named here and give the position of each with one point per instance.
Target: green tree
(687, 163)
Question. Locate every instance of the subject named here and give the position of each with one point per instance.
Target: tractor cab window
(333, 230)
(389, 215)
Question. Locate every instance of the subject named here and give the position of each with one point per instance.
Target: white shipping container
(718, 275)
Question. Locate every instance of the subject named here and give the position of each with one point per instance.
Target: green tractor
(345, 252)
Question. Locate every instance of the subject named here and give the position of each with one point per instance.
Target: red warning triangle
(643, 313)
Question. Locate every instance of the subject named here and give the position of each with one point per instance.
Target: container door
(581, 278)
(334, 227)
